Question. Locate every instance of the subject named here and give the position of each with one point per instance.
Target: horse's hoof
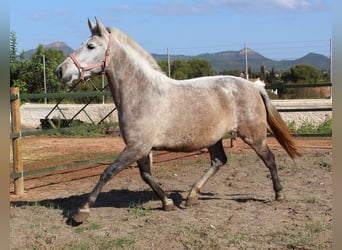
(280, 196)
(72, 222)
(82, 215)
(191, 201)
(168, 205)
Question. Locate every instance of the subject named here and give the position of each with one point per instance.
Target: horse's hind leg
(145, 172)
(266, 155)
(217, 158)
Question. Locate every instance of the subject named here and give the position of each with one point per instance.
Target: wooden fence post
(232, 142)
(233, 139)
(16, 143)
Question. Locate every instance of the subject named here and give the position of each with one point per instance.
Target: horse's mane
(127, 40)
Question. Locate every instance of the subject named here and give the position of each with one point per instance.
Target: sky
(277, 29)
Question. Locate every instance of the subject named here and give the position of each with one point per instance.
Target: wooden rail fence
(16, 134)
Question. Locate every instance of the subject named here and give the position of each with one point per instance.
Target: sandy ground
(236, 210)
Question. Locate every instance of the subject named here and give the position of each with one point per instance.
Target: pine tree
(13, 46)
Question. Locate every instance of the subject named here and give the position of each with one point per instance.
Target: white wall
(32, 113)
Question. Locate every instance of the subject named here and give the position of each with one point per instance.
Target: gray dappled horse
(159, 113)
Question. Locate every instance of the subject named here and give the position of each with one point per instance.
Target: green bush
(308, 128)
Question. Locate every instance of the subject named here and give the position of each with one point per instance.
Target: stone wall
(299, 118)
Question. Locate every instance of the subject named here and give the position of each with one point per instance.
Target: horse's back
(223, 93)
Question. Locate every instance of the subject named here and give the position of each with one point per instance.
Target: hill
(55, 45)
(232, 60)
(227, 60)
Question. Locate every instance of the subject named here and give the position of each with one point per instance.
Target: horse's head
(90, 59)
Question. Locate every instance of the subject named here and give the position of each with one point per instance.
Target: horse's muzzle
(62, 75)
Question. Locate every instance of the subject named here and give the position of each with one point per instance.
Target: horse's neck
(130, 79)
(123, 37)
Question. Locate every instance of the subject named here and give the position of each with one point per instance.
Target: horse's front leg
(126, 158)
(145, 172)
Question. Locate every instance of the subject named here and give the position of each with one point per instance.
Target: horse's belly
(186, 127)
(187, 141)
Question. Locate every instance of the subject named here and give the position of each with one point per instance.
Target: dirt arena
(236, 210)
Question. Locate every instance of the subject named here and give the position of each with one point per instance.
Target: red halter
(102, 64)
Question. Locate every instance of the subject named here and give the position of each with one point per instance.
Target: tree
(182, 70)
(13, 47)
(164, 66)
(34, 76)
(262, 72)
(18, 67)
(28, 74)
(199, 67)
(235, 72)
(18, 70)
(52, 59)
(271, 77)
(302, 73)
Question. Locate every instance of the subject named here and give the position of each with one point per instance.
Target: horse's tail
(278, 127)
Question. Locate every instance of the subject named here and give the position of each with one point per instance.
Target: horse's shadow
(122, 198)
(240, 198)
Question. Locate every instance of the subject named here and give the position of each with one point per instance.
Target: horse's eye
(91, 46)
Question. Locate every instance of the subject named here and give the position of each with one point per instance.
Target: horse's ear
(101, 29)
(92, 26)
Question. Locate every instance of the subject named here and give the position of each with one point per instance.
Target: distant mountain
(235, 60)
(227, 60)
(55, 45)
(316, 60)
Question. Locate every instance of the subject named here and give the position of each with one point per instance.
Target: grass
(55, 160)
(311, 200)
(315, 227)
(324, 127)
(91, 227)
(87, 130)
(82, 245)
(202, 161)
(199, 237)
(324, 164)
(192, 237)
(305, 237)
(47, 204)
(138, 209)
(240, 239)
(120, 242)
(103, 243)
